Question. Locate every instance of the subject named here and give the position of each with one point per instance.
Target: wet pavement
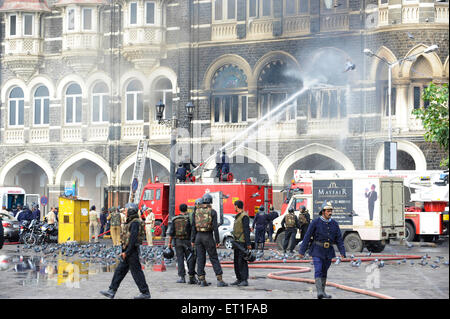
(81, 271)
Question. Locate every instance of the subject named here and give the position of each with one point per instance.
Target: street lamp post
(390, 66)
(173, 124)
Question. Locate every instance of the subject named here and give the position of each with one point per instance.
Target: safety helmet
(199, 201)
(132, 208)
(168, 253)
(327, 205)
(250, 256)
(207, 199)
(291, 209)
(302, 208)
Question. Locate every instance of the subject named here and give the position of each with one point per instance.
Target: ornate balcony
(296, 25)
(39, 135)
(224, 31)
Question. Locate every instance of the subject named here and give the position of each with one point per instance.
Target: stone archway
(412, 149)
(312, 150)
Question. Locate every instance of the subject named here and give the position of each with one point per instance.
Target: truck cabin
(295, 189)
(156, 197)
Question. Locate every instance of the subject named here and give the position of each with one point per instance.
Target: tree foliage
(435, 117)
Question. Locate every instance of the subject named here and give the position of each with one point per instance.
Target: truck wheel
(353, 243)
(280, 240)
(410, 232)
(375, 247)
(227, 243)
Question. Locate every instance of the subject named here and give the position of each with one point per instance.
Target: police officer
(94, 220)
(322, 233)
(304, 219)
(241, 234)
(131, 239)
(291, 224)
(181, 173)
(270, 217)
(259, 225)
(180, 231)
(204, 224)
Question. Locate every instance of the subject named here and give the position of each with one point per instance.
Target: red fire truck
(156, 196)
(428, 218)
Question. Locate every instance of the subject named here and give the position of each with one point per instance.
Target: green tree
(435, 117)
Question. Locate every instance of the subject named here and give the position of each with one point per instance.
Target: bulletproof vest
(238, 228)
(290, 220)
(180, 225)
(125, 234)
(203, 219)
(115, 219)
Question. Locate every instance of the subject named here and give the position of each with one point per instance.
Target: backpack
(290, 220)
(141, 235)
(180, 224)
(302, 218)
(203, 219)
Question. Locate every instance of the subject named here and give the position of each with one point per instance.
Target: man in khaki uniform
(94, 221)
(123, 218)
(149, 223)
(51, 216)
(115, 222)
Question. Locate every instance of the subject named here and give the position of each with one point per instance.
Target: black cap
(239, 204)
(183, 208)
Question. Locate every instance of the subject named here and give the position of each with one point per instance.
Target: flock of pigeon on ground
(108, 255)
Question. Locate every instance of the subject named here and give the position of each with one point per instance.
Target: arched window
(421, 75)
(16, 107)
(134, 100)
(274, 87)
(229, 100)
(100, 103)
(163, 91)
(41, 106)
(73, 104)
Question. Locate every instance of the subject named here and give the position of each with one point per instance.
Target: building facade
(80, 80)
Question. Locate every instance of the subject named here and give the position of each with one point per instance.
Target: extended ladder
(138, 172)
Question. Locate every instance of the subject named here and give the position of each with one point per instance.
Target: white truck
(369, 210)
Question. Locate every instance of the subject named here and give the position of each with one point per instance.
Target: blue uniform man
(322, 233)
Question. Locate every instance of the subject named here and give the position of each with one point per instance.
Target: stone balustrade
(39, 135)
(132, 131)
(441, 12)
(334, 22)
(71, 134)
(80, 41)
(296, 25)
(327, 126)
(14, 136)
(410, 13)
(98, 133)
(223, 31)
(143, 35)
(31, 46)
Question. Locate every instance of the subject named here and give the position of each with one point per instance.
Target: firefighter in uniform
(259, 225)
(322, 233)
(241, 234)
(204, 224)
(181, 232)
(114, 220)
(131, 239)
(291, 224)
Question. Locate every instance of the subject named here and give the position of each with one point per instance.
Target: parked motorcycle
(48, 234)
(29, 232)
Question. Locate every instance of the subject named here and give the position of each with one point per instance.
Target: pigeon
(410, 36)
(349, 66)
(434, 266)
(409, 245)
(381, 264)
(446, 263)
(338, 261)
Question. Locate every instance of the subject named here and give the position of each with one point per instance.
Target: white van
(13, 196)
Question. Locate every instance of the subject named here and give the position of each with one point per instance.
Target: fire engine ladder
(138, 172)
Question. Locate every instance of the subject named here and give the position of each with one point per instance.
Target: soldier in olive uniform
(291, 224)
(304, 219)
(241, 234)
(131, 238)
(114, 220)
(204, 224)
(180, 230)
(322, 233)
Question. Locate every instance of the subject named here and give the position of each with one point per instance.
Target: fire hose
(289, 270)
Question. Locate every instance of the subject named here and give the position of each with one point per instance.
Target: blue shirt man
(322, 233)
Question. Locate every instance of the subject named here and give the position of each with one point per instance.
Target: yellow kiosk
(73, 219)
